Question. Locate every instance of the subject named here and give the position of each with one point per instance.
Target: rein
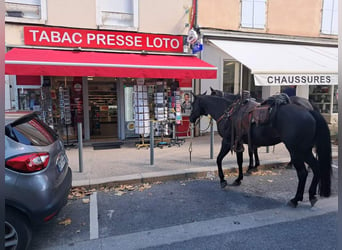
(191, 126)
(228, 112)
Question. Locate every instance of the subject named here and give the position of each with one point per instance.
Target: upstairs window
(121, 14)
(253, 14)
(25, 10)
(330, 17)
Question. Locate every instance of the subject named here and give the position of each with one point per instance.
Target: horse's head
(216, 92)
(196, 108)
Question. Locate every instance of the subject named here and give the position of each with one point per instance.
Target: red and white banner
(62, 37)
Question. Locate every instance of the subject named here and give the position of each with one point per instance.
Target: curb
(164, 176)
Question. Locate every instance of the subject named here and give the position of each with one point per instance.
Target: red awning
(19, 61)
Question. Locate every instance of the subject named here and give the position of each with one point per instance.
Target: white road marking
(93, 217)
(110, 213)
(334, 166)
(190, 231)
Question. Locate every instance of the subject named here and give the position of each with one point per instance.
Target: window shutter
(253, 13)
(115, 13)
(330, 17)
(120, 6)
(259, 13)
(247, 13)
(28, 2)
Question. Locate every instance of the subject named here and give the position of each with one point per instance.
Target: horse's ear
(212, 90)
(204, 93)
(193, 94)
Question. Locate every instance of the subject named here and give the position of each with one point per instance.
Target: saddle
(242, 116)
(247, 112)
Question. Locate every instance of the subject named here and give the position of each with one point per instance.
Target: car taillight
(29, 163)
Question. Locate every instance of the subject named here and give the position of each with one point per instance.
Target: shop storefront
(267, 68)
(111, 82)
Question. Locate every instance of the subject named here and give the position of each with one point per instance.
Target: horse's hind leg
(313, 164)
(302, 174)
(225, 147)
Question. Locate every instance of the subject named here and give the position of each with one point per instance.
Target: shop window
(324, 97)
(32, 11)
(29, 99)
(253, 14)
(231, 76)
(330, 17)
(62, 105)
(121, 14)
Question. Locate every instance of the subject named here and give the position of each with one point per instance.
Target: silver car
(37, 177)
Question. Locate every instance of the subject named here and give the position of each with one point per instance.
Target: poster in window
(186, 102)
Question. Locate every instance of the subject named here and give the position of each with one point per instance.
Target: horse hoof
(313, 201)
(236, 183)
(224, 184)
(248, 172)
(251, 170)
(292, 203)
(289, 165)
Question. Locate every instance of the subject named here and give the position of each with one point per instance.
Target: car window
(31, 132)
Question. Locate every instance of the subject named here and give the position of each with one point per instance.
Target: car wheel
(18, 231)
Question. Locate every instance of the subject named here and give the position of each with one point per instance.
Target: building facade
(114, 65)
(110, 65)
(270, 46)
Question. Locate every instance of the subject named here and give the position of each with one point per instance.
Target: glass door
(103, 114)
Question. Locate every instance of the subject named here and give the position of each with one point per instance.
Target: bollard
(151, 143)
(80, 146)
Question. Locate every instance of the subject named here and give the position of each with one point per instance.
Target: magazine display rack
(141, 114)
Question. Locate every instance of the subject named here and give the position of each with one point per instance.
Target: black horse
(298, 128)
(254, 150)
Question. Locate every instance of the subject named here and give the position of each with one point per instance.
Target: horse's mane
(217, 99)
(220, 93)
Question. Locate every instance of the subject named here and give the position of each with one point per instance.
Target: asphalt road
(195, 214)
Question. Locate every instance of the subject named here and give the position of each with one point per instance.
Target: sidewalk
(128, 165)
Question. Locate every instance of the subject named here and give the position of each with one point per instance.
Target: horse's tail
(323, 148)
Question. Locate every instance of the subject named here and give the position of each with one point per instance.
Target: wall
(166, 17)
(291, 17)
(224, 14)
(75, 13)
(14, 34)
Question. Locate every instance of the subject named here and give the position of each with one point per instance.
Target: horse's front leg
(225, 147)
(239, 159)
(256, 156)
